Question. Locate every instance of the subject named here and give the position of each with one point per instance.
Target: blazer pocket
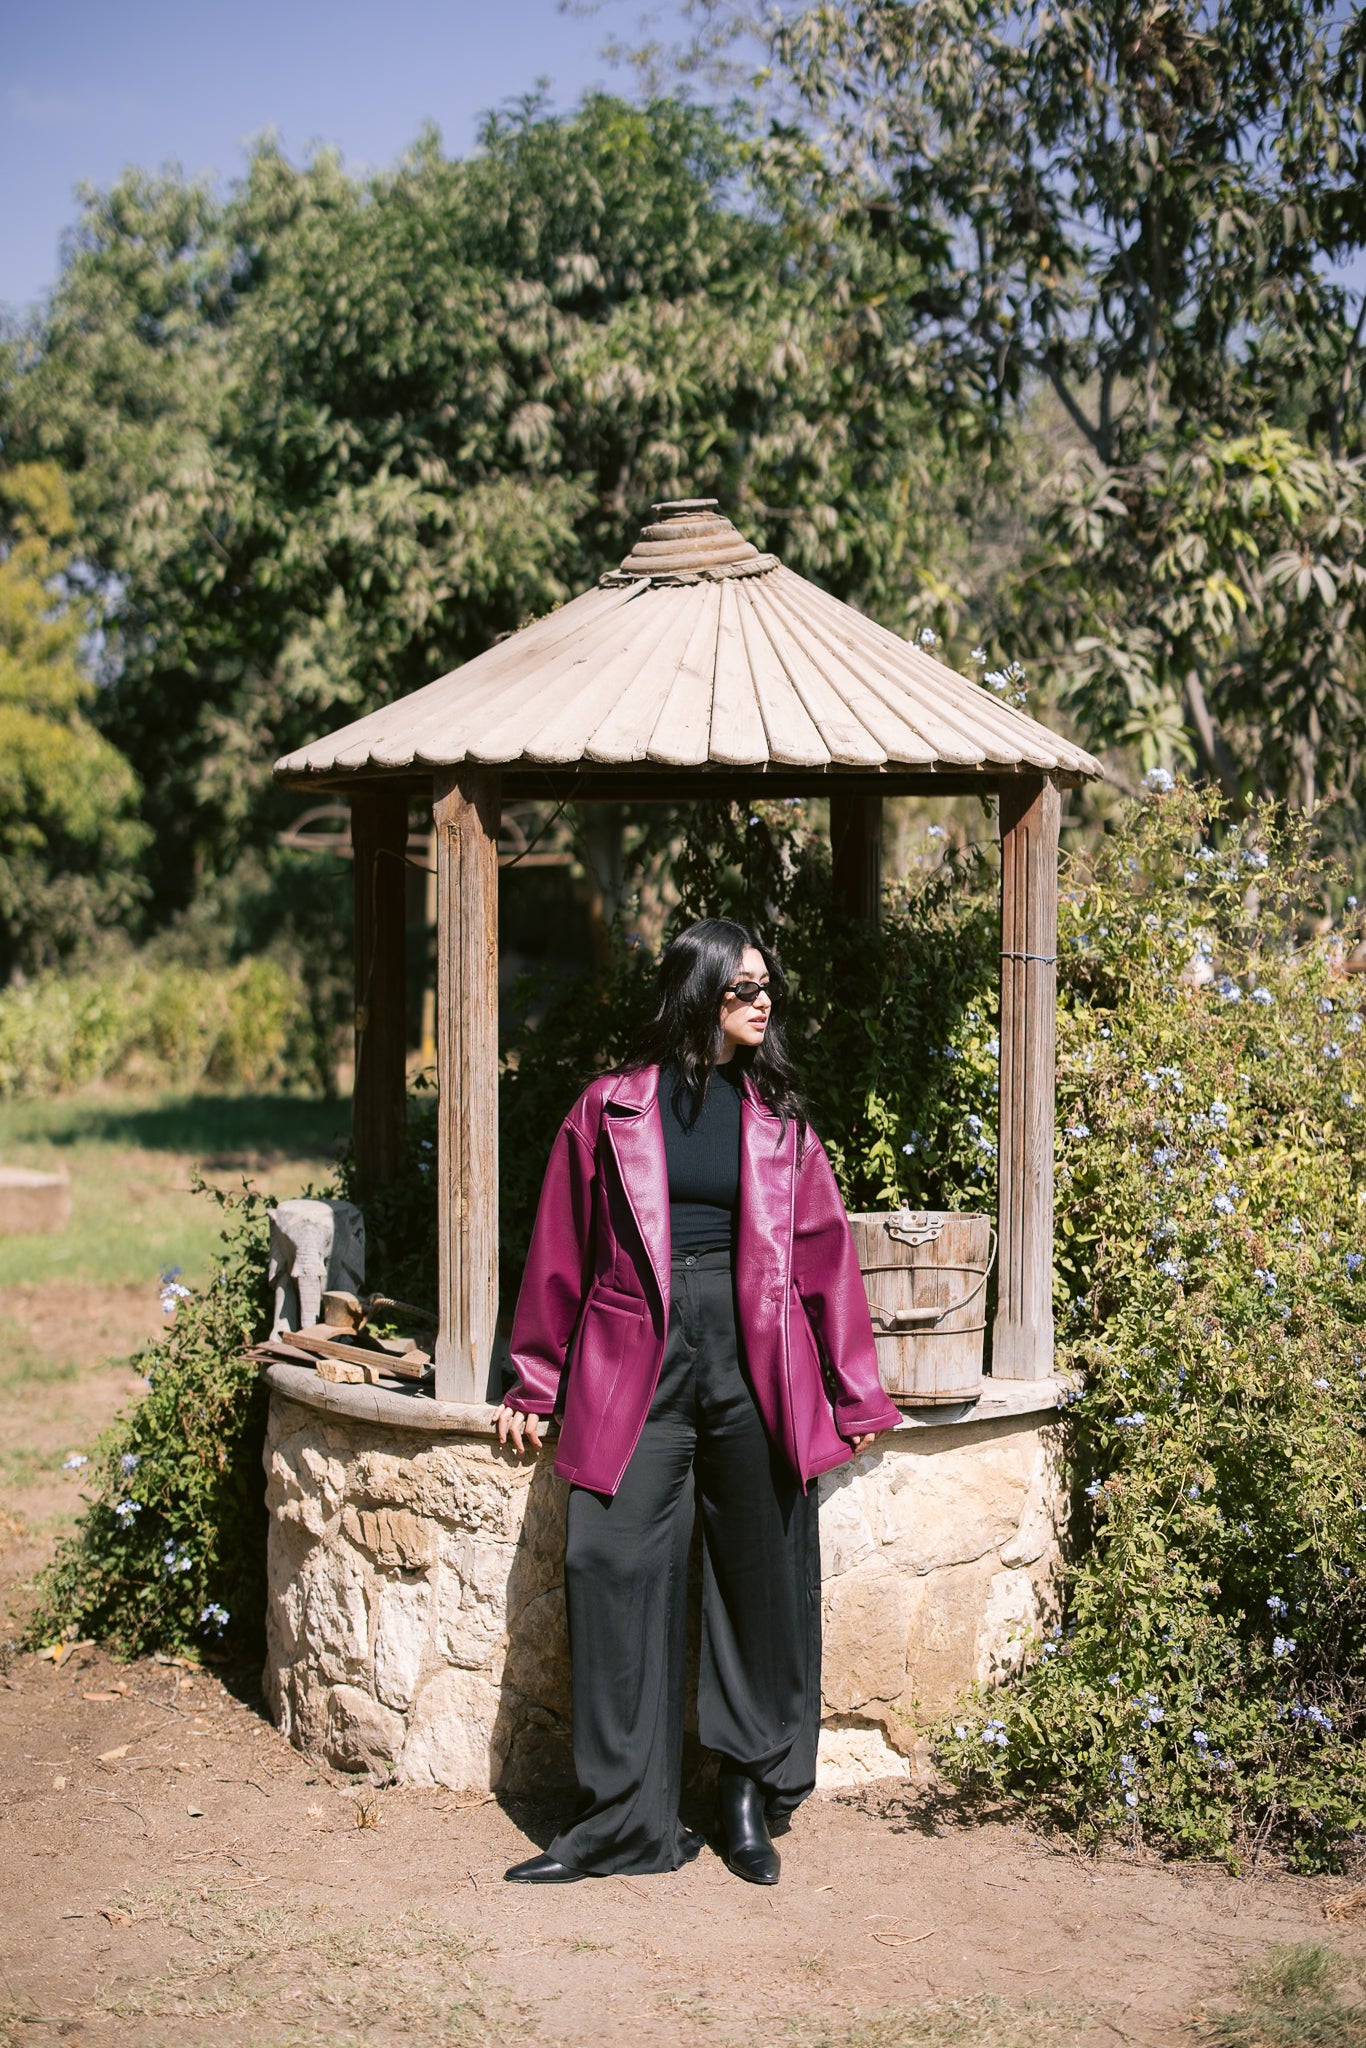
(600, 1295)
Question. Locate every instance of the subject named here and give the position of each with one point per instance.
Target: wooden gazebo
(700, 669)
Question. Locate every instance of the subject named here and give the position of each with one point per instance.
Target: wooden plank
(881, 711)
(882, 671)
(1007, 736)
(379, 1100)
(737, 727)
(389, 734)
(467, 812)
(552, 719)
(682, 732)
(486, 692)
(793, 735)
(539, 672)
(848, 741)
(623, 735)
(407, 1364)
(1022, 1343)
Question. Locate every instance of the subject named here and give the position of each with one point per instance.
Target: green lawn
(131, 1158)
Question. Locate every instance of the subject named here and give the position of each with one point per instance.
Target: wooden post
(1022, 1345)
(467, 811)
(379, 841)
(856, 854)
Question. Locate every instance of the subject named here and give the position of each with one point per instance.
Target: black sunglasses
(747, 991)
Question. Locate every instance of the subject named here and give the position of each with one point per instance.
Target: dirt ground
(170, 1870)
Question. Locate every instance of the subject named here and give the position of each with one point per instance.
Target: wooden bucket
(926, 1274)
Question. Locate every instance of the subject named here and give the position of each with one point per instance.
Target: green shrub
(170, 1553)
(1205, 1691)
(158, 1024)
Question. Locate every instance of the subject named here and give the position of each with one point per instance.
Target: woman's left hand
(861, 1443)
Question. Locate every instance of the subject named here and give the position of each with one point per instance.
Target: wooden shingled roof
(699, 656)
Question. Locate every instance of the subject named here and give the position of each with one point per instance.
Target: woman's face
(744, 1023)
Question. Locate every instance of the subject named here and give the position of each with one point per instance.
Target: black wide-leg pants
(626, 1566)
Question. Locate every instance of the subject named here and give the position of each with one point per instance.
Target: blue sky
(87, 89)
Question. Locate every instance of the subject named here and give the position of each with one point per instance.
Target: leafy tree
(69, 837)
(1123, 219)
(1132, 202)
(333, 436)
(1207, 603)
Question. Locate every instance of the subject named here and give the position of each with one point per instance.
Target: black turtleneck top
(703, 1155)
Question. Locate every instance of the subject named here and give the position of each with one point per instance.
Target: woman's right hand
(526, 1431)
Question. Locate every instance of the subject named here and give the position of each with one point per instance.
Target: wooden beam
(1022, 1344)
(856, 854)
(467, 811)
(379, 839)
(642, 783)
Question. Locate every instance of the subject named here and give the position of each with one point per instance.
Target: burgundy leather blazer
(593, 1313)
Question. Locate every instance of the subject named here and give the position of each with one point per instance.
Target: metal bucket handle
(894, 1320)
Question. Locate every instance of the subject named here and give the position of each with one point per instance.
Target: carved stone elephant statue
(314, 1246)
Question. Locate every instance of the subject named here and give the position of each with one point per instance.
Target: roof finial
(689, 541)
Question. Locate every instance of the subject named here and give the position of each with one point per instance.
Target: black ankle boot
(749, 1851)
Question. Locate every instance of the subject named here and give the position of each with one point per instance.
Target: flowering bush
(1206, 1688)
(170, 1552)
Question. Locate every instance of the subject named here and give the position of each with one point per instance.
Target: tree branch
(1219, 762)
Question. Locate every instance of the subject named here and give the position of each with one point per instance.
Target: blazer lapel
(636, 1135)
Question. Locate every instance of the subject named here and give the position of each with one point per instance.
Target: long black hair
(695, 970)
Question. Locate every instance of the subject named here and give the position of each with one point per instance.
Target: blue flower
(1173, 1269)
(1332, 1050)
(129, 1462)
(1283, 1646)
(1131, 1799)
(215, 1617)
(1323, 1385)
(1266, 1278)
(74, 1461)
(1224, 1204)
(126, 1510)
(1324, 1006)
(1276, 1604)
(1159, 781)
(1134, 1421)
(1228, 988)
(1263, 996)
(1254, 857)
(1156, 1714)
(1199, 1738)
(1095, 1491)
(1353, 1261)
(1077, 1131)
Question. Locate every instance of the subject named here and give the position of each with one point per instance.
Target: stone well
(416, 1610)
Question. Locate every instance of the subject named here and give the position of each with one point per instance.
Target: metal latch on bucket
(910, 1227)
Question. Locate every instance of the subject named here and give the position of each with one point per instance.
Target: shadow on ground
(224, 1132)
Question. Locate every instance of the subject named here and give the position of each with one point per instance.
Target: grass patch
(23, 1365)
(321, 1980)
(1292, 2000)
(131, 1159)
(980, 2021)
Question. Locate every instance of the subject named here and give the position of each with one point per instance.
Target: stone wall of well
(416, 1612)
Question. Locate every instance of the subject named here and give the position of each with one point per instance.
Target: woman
(691, 1281)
